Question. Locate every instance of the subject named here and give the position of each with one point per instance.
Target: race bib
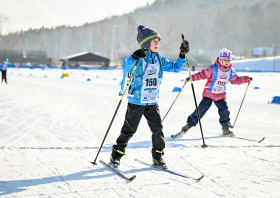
(221, 81)
(150, 85)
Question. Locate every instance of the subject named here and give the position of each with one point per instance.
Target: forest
(208, 25)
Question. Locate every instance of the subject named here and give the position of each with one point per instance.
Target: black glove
(184, 48)
(139, 54)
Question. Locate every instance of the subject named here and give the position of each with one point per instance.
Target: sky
(33, 14)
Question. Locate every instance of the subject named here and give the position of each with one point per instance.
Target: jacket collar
(222, 67)
(151, 56)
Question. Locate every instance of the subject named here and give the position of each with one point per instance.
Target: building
(263, 51)
(85, 59)
(25, 57)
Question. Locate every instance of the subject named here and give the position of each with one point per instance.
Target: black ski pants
(132, 119)
(4, 75)
(203, 107)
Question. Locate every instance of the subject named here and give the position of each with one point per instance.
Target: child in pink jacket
(218, 76)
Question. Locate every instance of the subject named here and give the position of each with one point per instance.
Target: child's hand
(250, 79)
(184, 48)
(187, 79)
(139, 54)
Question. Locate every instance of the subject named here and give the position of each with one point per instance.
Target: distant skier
(218, 76)
(3, 68)
(193, 68)
(144, 92)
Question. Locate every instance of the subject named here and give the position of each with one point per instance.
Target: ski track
(205, 176)
(51, 129)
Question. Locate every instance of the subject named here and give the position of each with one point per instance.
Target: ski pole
(197, 112)
(127, 85)
(240, 105)
(174, 101)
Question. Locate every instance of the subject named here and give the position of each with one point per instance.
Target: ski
(182, 132)
(118, 171)
(177, 134)
(250, 139)
(170, 171)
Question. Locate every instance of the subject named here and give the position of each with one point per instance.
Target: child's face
(226, 63)
(154, 45)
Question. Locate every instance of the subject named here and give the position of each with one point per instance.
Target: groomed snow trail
(51, 129)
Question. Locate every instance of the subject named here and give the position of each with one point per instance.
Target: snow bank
(258, 64)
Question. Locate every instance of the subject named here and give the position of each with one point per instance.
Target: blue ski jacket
(137, 83)
(4, 66)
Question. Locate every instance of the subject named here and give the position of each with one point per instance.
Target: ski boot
(186, 127)
(115, 158)
(157, 159)
(227, 132)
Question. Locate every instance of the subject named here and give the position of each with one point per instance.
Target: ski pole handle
(182, 37)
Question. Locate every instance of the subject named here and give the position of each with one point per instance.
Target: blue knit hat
(146, 35)
(6, 60)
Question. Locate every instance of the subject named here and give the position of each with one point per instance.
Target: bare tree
(4, 24)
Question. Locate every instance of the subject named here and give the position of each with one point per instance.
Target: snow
(51, 129)
(268, 64)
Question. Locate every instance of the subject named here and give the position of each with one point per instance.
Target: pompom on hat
(225, 54)
(146, 35)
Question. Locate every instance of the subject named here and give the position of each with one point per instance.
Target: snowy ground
(51, 128)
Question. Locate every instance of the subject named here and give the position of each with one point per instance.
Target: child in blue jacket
(144, 92)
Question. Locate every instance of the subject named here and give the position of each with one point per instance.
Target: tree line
(209, 25)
